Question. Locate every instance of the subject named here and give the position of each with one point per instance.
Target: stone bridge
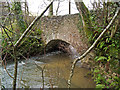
(63, 31)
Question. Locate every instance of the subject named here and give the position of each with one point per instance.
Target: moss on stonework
(84, 12)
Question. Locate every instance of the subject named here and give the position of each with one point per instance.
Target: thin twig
(57, 8)
(42, 70)
(43, 76)
(23, 56)
(8, 35)
(9, 15)
(90, 48)
(6, 18)
(6, 69)
(21, 38)
(4, 56)
(8, 29)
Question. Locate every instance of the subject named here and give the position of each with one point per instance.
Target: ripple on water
(56, 73)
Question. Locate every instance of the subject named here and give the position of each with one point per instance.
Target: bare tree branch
(8, 35)
(116, 27)
(90, 48)
(69, 6)
(57, 8)
(21, 38)
(6, 69)
(31, 25)
(8, 29)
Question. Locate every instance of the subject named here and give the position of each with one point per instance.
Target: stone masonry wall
(63, 28)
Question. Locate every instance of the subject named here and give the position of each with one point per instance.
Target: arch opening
(57, 45)
(60, 45)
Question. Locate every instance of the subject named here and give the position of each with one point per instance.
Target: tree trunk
(51, 10)
(84, 13)
(19, 41)
(19, 16)
(57, 8)
(30, 26)
(15, 69)
(91, 47)
(116, 27)
(69, 6)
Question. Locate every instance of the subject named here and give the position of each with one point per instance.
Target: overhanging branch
(90, 48)
(31, 25)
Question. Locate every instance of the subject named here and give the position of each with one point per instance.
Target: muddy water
(55, 67)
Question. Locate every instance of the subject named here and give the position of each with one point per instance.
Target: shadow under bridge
(60, 45)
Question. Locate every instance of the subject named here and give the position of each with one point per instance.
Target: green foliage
(100, 86)
(107, 51)
(101, 58)
(2, 86)
(16, 8)
(31, 45)
(106, 71)
(80, 24)
(0, 35)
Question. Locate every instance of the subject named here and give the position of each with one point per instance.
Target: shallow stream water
(52, 69)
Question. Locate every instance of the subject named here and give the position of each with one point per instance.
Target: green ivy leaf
(100, 86)
(96, 70)
(105, 48)
(109, 58)
(101, 58)
(102, 44)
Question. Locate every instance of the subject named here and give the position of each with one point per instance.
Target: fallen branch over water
(90, 48)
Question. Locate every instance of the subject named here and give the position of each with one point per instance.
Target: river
(51, 69)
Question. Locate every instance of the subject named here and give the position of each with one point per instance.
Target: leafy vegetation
(13, 29)
(16, 8)
(106, 71)
(106, 68)
(32, 45)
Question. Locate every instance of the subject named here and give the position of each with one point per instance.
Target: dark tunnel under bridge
(60, 45)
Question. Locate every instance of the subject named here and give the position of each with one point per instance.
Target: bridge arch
(60, 45)
(65, 29)
(56, 44)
